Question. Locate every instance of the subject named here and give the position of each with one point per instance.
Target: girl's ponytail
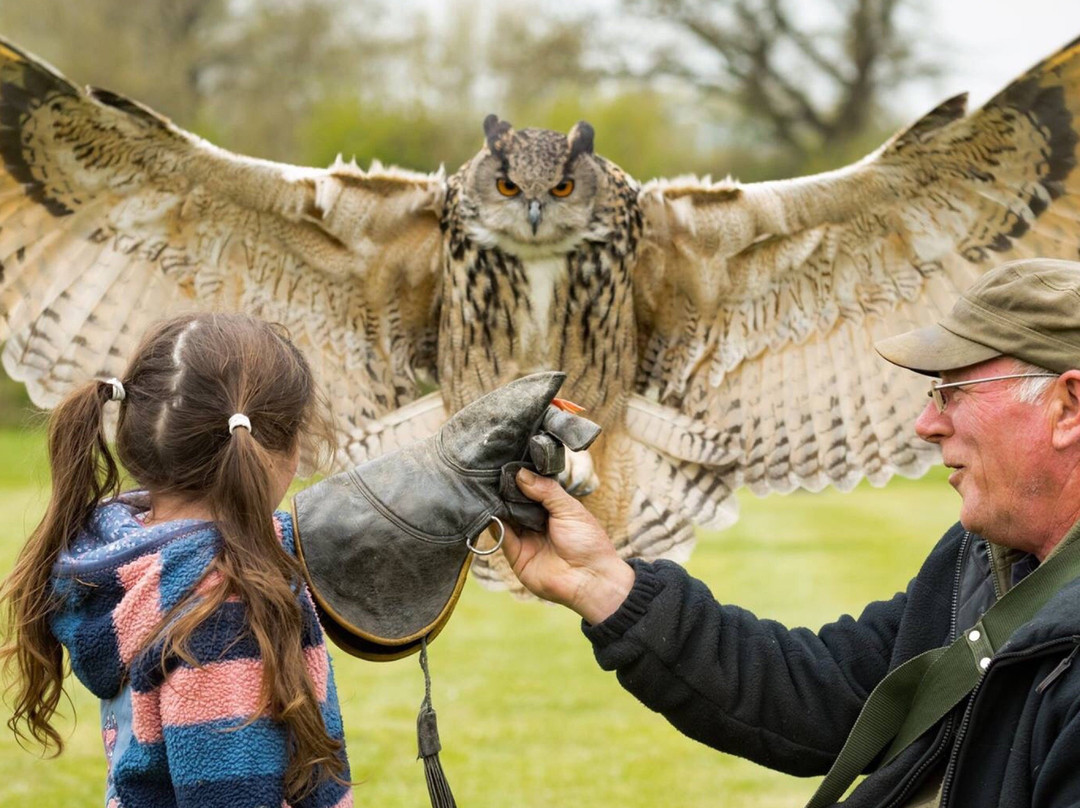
(83, 472)
(268, 583)
(255, 566)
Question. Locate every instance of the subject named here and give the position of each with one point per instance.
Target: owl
(721, 333)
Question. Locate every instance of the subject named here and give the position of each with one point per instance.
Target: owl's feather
(721, 332)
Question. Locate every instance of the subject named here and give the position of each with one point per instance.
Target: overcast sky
(994, 41)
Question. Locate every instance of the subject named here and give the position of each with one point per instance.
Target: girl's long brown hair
(188, 376)
(82, 472)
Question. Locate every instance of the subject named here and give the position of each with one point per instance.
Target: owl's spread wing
(111, 217)
(759, 304)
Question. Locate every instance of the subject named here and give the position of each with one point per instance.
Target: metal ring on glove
(498, 543)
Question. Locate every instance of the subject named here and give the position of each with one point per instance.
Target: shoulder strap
(918, 694)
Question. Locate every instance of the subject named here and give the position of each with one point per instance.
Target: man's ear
(1065, 404)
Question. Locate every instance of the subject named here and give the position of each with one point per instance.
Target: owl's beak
(534, 214)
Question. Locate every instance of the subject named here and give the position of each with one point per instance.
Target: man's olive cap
(1029, 310)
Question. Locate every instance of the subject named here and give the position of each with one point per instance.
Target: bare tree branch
(805, 43)
(808, 87)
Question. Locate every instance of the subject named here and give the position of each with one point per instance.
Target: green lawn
(526, 717)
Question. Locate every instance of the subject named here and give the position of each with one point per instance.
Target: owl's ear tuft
(497, 133)
(580, 139)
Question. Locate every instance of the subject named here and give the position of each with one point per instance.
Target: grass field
(526, 717)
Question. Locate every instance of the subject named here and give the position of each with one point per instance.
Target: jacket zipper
(998, 594)
(1027, 653)
(930, 759)
(965, 542)
(1056, 673)
(932, 756)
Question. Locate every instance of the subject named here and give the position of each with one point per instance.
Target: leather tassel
(428, 745)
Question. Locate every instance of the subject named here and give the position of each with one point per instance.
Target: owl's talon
(579, 477)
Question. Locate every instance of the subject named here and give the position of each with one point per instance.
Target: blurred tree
(814, 75)
(532, 73)
(537, 58)
(15, 407)
(555, 71)
(412, 136)
(239, 72)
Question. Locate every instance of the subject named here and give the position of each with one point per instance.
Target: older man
(1005, 410)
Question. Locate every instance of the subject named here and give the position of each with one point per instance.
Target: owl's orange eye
(507, 188)
(564, 188)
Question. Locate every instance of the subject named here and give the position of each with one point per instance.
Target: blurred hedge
(16, 410)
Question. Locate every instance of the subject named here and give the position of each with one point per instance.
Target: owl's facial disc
(536, 188)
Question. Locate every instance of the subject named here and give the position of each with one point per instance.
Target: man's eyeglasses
(941, 402)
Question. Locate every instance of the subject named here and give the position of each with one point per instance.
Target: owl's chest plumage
(545, 296)
(504, 315)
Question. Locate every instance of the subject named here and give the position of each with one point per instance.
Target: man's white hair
(1031, 390)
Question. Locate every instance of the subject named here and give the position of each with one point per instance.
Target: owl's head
(532, 191)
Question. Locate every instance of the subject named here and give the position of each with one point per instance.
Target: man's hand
(575, 564)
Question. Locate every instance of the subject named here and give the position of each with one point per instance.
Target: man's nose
(931, 425)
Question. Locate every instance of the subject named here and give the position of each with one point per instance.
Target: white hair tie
(116, 389)
(239, 420)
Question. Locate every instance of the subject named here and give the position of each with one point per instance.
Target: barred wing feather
(111, 217)
(759, 304)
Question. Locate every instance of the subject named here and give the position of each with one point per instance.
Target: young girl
(182, 605)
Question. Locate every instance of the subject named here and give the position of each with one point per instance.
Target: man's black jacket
(786, 698)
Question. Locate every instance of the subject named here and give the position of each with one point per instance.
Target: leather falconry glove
(387, 545)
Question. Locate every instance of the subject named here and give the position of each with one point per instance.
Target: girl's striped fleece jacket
(182, 738)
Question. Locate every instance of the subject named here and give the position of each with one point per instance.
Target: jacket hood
(1059, 618)
(1057, 621)
(116, 580)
